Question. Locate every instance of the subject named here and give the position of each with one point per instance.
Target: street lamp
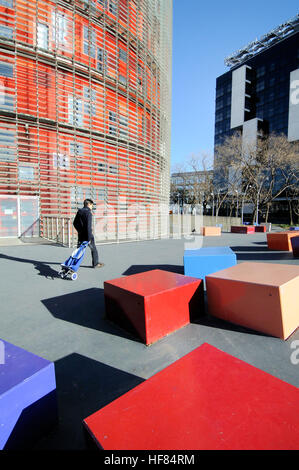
(217, 204)
(257, 199)
(212, 194)
(178, 196)
(257, 206)
(243, 200)
(237, 212)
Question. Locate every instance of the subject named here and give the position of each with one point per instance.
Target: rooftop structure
(259, 45)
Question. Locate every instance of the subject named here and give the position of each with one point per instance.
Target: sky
(204, 33)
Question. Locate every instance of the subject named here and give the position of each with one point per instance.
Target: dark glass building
(260, 92)
(261, 89)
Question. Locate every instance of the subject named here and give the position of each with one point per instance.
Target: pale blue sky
(204, 33)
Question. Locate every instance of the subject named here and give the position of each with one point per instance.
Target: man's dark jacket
(83, 224)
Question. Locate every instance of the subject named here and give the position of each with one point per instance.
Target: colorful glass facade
(85, 108)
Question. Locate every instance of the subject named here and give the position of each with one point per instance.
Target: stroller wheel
(74, 276)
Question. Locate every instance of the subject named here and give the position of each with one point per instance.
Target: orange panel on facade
(260, 296)
(280, 241)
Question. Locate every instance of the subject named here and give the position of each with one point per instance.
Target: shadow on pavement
(266, 256)
(136, 268)
(43, 268)
(86, 308)
(249, 248)
(83, 386)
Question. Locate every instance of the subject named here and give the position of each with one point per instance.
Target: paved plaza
(96, 361)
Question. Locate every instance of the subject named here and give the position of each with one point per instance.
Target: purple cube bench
(28, 406)
(295, 246)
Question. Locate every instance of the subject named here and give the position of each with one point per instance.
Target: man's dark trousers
(93, 248)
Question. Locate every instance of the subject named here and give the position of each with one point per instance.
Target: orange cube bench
(281, 241)
(211, 231)
(260, 296)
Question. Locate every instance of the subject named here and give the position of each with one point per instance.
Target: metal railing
(122, 228)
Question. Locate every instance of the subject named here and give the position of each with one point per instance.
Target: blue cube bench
(203, 261)
(28, 405)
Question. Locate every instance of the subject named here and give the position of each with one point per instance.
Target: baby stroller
(72, 264)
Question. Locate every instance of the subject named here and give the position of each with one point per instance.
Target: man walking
(83, 225)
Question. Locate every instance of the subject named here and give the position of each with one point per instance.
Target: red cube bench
(207, 400)
(155, 303)
(242, 229)
(260, 228)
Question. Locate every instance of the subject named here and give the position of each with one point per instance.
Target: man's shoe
(99, 265)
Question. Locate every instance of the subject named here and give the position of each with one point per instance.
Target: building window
(113, 169)
(92, 3)
(6, 32)
(26, 173)
(123, 125)
(59, 22)
(219, 92)
(42, 36)
(75, 111)
(140, 74)
(122, 79)
(112, 6)
(102, 60)
(6, 70)
(261, 71)
(219, 104)
(122, 55)
(61, 160)
(102, 167)
(76, 148)
(90, 98)
(112, 122)
(260, 85)
(7, 145)
(89, 42)
(219, 117)
(7, 3)
(6, 100)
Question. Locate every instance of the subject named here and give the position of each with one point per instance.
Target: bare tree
(201, 182)
(264, 169)
(228, 171)
(194, 181)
